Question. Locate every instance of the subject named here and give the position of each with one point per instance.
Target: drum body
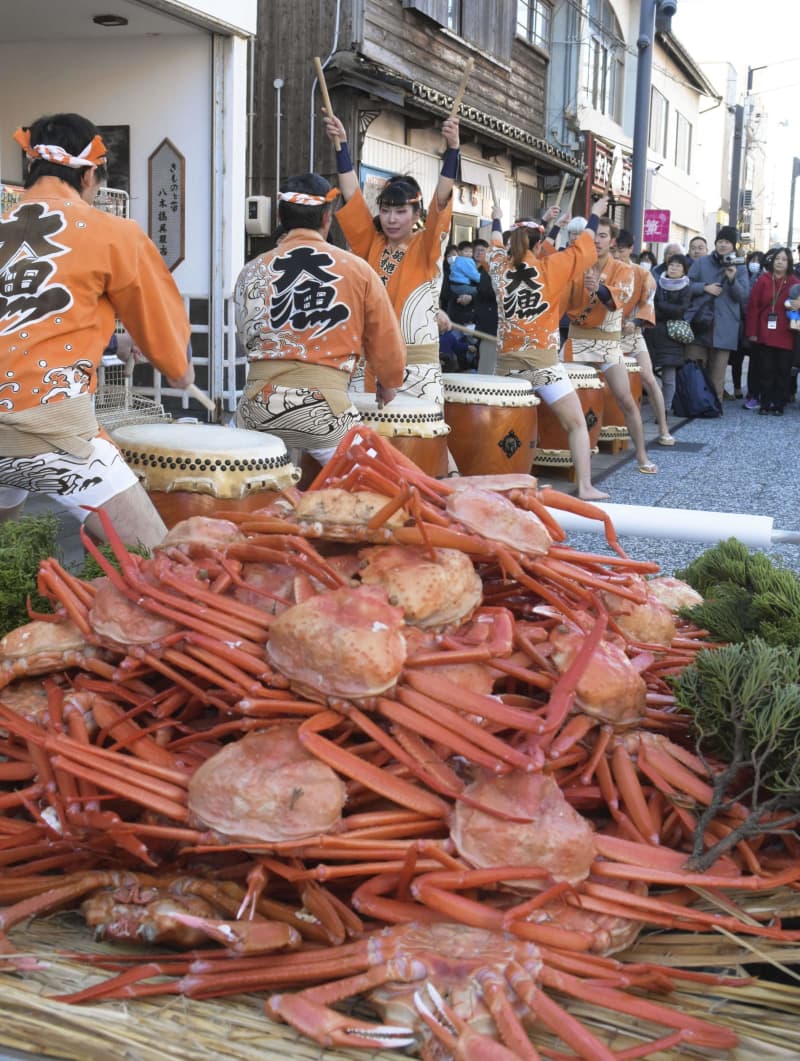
(415, 427)
(613, 420)
(493, 422)
(204, 469)
(553, 449)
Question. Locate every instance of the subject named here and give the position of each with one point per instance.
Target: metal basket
(115, 403)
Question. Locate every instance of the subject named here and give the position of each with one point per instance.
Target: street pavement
(740, 463)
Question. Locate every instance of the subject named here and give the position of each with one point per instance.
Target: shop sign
(656, 226)
(166, 213)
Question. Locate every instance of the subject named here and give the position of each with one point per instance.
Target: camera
(732, 259)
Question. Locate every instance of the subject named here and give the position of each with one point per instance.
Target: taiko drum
(205, 469)
(613, 421)
(553, 449)
(493, 422)
(414, 426)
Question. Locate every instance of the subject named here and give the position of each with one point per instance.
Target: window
(659, 115)
(454, 16)
(605, 68)
(533, 22)
(683, 143)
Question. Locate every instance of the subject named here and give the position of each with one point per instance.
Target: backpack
(694, 394)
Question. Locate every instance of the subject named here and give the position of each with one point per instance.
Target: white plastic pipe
(680, 524)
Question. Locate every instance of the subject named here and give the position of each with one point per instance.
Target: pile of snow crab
(387, 738)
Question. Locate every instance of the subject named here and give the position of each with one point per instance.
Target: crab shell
(557, 838)
(40, 647)
(494, 516)
(432, 592)
(347, 643)
(610, 687)
(651, 622)
(116, 618)
(266, 788)
(673, 592)
(342, 511)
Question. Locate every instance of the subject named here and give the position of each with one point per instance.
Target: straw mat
(765, 1015)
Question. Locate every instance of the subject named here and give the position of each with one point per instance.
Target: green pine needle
(746, 595)
(24, 543)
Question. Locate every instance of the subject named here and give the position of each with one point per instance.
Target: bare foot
(593, 494)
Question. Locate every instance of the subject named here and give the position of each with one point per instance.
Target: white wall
(159, 86)
(237, 15)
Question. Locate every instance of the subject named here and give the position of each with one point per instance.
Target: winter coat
(486, 305)
(669, 305)
(768, 296)
(723, 313)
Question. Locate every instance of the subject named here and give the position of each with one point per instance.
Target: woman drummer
(406, 257)
(529, 292)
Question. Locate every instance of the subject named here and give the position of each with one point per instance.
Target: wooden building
(393, 67)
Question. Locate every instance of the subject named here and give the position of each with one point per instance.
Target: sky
(756, 33)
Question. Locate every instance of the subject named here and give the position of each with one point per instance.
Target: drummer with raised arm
(531, 290)
(66, 271)
(305, 313)
(405, 249)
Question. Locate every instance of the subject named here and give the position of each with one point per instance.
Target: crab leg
(350, 765)
(464, 1042)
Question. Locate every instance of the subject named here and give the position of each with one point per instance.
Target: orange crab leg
(631, 791)
(439, 688)
(378, 780)
(694, 1030)
(439, 723)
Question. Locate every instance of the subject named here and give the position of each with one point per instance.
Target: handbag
(680, 331)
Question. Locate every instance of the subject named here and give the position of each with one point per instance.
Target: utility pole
(795, 175)
(736, 165)
(653, 15)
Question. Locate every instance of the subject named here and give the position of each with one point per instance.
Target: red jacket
(767, 296)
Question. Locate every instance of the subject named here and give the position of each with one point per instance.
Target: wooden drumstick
(194, 392)
(326, 99)
(473, 331)
(462, 88)
(492, 189)
(561, 190)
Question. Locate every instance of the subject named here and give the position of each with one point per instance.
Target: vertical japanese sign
(656, 226)
(166, 211)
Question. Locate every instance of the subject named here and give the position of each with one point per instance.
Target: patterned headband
(301, 199)
(409, 202)
(94, 154)
(528, 224)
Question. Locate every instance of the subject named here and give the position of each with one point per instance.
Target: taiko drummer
(406, 256)
(66, 271)
(530, 290)
(305, 313)
(596, 305)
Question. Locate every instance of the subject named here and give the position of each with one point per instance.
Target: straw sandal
(648, 469)
(665, 440)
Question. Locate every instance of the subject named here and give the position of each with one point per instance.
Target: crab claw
(243, 937)
(462, 1041)
(329, 1028)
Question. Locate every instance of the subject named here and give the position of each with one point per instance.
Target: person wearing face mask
(767, 327)
(719, 291)
(407, 258)
(647, 260)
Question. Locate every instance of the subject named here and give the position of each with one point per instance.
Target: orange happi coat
(66, 271)
(413, 277)
(590, 312)
(311, 302)
(530, 298)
